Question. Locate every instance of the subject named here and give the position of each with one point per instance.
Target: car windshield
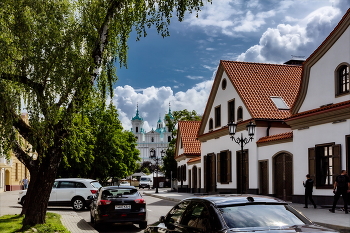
(145, 179)
(110, 193)
(96, 184)
(247, 216)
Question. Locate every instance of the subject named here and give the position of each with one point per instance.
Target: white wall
(307, 138)
(321, 88)
(222, 97)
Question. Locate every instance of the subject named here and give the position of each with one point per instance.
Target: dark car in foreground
(118, 204)
(234, 213)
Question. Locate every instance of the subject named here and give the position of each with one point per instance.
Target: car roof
(77, 179)
(237, 199)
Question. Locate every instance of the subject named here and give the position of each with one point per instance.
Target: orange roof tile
(257, 82)
(194, 159)
(188, 133)
(276, 137)
(330, 107)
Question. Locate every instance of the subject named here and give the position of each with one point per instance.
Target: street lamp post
(156, 159)
(232, 126)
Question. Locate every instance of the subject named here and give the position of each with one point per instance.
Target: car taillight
(104, 202)
(93, 191)
(140, 201)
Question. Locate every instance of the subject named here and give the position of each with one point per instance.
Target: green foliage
(13, 223)
(169, 162)
(97, 146)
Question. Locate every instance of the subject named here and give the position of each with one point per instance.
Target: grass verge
(13, 223)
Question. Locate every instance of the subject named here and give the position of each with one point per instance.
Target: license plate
(122, 207)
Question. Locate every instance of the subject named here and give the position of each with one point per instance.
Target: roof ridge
(259, 63)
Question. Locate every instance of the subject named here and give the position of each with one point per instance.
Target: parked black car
(234, 213)
(118, 204)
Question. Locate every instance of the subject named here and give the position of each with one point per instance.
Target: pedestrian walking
(25, 183)
(308, 184)
(341, 187)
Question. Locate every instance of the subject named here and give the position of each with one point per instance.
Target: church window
(137, 129)
(169, 139)
(152, 139)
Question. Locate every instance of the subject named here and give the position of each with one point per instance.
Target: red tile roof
(330, 107)
(194, 159)
(276, 137)
(188, 133)
(257, 82)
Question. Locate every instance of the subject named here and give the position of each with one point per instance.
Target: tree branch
(37, 87)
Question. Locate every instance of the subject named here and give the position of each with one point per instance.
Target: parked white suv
(69, 192)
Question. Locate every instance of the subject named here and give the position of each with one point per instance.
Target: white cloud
(276, 45)
(154, 102)
(194, 77)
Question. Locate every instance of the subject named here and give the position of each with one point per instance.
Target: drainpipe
(268, 128)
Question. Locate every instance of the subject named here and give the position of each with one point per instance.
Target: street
(155, 208)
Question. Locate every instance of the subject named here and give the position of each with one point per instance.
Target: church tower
(137, 123)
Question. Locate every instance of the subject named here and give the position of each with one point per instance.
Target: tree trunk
(39, 190)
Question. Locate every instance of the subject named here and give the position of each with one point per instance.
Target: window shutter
(205, 172)
(213, 170)
(185, 173)
(336, 161)
(312, 163)
(218, 167)
(229, 166)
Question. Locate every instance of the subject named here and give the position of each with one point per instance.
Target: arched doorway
(283, 176)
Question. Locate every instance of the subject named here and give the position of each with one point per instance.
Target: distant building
(12, 171)
(157, 139)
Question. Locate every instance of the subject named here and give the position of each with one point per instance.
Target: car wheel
(23, 200)
(142, 225)
(78, 203)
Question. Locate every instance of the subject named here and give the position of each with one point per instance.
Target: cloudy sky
(179, 69)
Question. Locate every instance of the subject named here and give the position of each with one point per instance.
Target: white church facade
(156, 139)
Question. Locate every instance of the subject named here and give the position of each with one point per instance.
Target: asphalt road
(155, 208)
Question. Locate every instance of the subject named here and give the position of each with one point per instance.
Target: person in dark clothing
(341, 187)
(308, 184)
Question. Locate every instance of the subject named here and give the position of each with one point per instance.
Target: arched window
(169, 139)
(211, 124)
(137, 129)
(239, 113)
(342, 80)
(152, 139)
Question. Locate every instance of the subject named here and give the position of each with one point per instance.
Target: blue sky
(179, 69)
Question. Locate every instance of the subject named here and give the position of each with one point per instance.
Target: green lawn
(13, 223)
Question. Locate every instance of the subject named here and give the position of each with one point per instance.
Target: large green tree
(169, 162)
(54, 54)
(98, 147)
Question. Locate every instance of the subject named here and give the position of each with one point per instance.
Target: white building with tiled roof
(302, 118)
(188, 156)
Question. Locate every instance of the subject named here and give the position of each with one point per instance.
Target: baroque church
(156, 139)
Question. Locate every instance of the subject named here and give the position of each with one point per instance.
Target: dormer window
(279, 103)
(342, 80)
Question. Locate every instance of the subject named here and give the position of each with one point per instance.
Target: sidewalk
(338, 220)
(70, 219)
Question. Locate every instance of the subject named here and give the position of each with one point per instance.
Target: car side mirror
(91, 197)
(162, 219)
